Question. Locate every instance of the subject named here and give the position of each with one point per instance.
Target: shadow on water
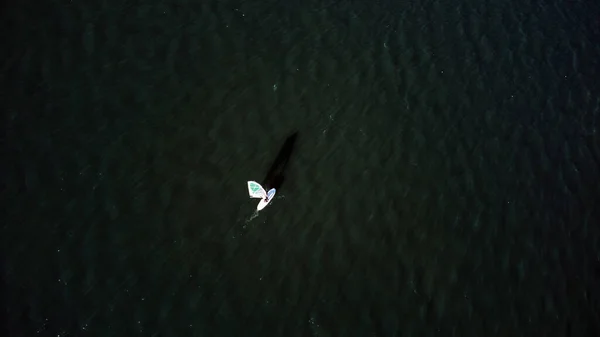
(276, 174)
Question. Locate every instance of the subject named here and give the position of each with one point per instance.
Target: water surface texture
(444, 180)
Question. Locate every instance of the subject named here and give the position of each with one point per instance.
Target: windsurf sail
(265, 201)
(256, 191)
(270, 194)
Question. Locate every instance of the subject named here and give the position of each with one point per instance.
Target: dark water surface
(445, 180)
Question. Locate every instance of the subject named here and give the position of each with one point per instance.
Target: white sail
(255, 190)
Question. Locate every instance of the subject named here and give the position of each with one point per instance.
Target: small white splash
(254, 215)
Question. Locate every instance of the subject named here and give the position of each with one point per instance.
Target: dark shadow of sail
(276, 174)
